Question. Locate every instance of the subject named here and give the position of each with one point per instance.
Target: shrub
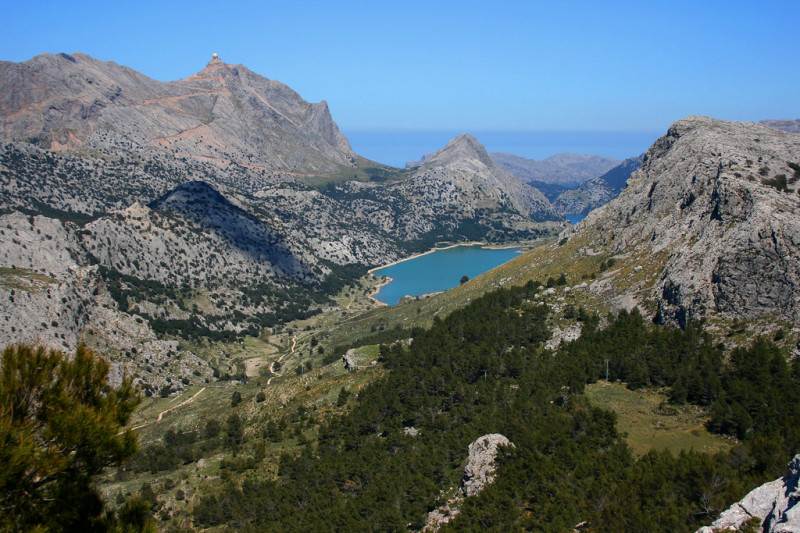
(236, 398)
(779, 182)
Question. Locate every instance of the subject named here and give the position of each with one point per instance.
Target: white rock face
(774, 503)
(349, 360)
(479, 472)
(480, 463)
(569, 334)
(49, 294)
(706, 200)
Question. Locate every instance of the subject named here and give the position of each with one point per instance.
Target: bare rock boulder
(481, 463)
(774, 503)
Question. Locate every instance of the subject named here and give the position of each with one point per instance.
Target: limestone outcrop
(718, 203)
(349, 360)
(478, 472)
(480, 467)
(774, 504)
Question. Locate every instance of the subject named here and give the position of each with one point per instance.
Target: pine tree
(60, 425)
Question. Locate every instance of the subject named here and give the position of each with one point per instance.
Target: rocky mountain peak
(214, 67)
(192, 192)
(460, 149)
(224, 113)
(463, 170)
(220, 71)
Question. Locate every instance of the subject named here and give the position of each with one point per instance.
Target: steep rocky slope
(716, 202)
(597, 191)
(50, 293)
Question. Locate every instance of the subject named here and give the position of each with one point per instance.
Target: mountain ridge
(190, 207)
(563, 168)
(597, 191)
(223, 112)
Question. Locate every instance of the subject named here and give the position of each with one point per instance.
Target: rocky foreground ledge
(773, 504)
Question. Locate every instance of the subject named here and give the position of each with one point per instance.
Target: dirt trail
(697, 427)
(161, 414)
(280, 360)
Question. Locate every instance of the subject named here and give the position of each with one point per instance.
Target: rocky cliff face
(718, 201)
(772, 504)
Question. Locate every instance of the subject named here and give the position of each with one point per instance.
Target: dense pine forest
(484, 369)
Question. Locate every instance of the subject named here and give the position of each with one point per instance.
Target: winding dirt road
(161, 414)
(280, 360)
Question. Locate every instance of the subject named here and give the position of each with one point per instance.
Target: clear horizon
(398, 147)
(456, 66)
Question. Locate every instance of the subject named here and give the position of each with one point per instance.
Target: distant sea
(397, 147)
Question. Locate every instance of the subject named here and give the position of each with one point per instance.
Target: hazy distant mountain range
(566, 169)
(597, 191)
(792, 126)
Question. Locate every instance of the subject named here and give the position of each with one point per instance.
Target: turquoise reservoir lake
(439, 270)
(574, 219)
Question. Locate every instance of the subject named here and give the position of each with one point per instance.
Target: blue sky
(461, 65)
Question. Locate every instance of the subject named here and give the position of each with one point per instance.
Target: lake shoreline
(477, 253)
(484, 245)
(373, 295)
